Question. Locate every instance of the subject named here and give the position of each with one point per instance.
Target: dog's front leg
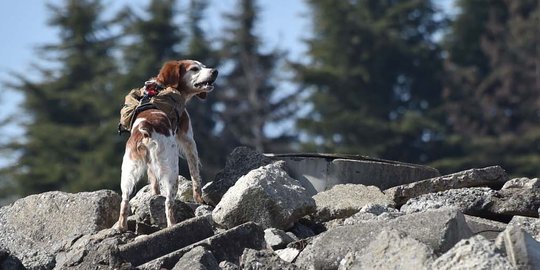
(189, 148)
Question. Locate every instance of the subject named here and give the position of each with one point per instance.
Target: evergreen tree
(494, 100)
(68, 143)
(373, 79)
(248, 94)
(151, 39)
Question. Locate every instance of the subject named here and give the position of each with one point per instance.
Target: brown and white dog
(154, 146)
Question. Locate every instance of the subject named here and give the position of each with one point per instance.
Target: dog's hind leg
(154, 183)
(164, 164)
(132, 172)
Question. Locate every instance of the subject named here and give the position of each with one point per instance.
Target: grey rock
(480, 202)
(185, 190)
(439, 229)
(226, 246)
(391, 249)
(98, 251)
(372, 212)
(167, 240)
(267, 196)
(30, 228)
(276, 238)
(489, 229)
(473, 253)
(225, 265)
(521, 249)
(197, 259)
(528, 224)
(288, 254)
(263, 259)
(489, 176)
(150, 209)
(515, 201)
(10, 262)
(343, 201)
(473, 201)
(241, 161)
(203, 210)
(523, 182)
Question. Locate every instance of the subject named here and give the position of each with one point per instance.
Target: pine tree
(247, 95)
(373, 79)
(151, 39)
(68, 143)
(494, 101)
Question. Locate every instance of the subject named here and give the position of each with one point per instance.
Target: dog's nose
(214, 73)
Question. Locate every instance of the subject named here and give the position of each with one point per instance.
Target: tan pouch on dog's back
(131, 102)
(171, 102)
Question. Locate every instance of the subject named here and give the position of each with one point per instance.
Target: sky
(283, 24)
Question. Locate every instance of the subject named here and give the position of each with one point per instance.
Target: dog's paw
(197, 197)
(117, 227)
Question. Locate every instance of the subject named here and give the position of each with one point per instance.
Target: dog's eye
(194, 68)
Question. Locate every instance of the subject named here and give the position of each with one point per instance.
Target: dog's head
(189, 76)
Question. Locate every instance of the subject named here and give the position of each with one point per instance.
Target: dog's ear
(171, 73)
(202, 95)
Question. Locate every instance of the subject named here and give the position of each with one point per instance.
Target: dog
(154, 144)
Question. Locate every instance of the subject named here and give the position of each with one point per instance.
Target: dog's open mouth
(205, 85)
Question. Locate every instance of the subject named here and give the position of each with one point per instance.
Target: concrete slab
(167, 240)
(320, 172)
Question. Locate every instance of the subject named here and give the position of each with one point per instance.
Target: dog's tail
(146, 142)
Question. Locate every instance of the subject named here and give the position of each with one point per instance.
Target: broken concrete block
(226, 246)
(167, 240)
(97, 251)
(267, 196)
(391, 249)
(489, 229)
(516, 201)
(225, 265)
(528, 224)
(473, 201)
(203, 210)
(372, 212)
(150, 209)
(342, 201)
(523, 182)
(288, 254)
(489, 176)
(197, 259)
(276, 238)
(439, 229)
(241, 161)
(264, 259)
(185, 190)
(521, 249)
(474, 253)
(30, 229)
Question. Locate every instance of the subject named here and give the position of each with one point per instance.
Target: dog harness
(152, 96)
